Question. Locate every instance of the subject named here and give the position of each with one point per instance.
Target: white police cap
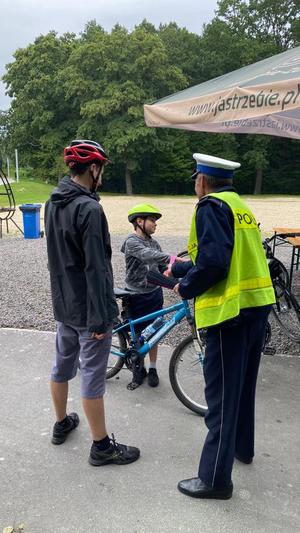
(214, 166)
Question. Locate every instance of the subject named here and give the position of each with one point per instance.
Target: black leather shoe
(197, 489)
(243, 460)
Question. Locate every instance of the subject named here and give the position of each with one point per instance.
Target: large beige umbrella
(260, 98)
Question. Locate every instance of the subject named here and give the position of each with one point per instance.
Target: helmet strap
(142, 228)
(95, 180)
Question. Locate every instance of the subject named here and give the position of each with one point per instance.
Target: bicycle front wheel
(287, 312)
(115, 362)
(186, 374)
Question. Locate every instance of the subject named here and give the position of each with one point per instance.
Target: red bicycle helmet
(84, 151)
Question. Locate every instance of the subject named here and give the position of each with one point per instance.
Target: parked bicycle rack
(8, 210)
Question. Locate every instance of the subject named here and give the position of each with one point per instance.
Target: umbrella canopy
(260, 98)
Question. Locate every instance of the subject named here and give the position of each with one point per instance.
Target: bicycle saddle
(121, 293)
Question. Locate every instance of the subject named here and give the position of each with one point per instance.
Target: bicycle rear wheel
(115, 362)
(287, 312)
(186, 374)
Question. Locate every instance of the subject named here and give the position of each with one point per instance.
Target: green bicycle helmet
(143, 211)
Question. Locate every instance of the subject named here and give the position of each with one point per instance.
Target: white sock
(152, 365)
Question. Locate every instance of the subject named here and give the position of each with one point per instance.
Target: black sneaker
(118, 454)
(61, 431)
(138, 377)
(153, 379)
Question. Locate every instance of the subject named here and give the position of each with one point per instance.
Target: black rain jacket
(79, 258)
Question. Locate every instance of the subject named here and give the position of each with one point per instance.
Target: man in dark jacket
(79, 260)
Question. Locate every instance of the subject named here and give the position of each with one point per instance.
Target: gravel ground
(25, 300)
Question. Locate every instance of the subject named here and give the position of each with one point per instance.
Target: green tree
(257, 156)
(184, 48)
(4, 134)
(266, 21)
(111, 76)
(95, 85)
(246, 31)
(40, 120)
(170, 167)
(243, 32)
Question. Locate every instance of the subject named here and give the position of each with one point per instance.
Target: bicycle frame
(186, 360)
(181, 310)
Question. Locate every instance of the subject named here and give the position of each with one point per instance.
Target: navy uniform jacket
(215, 235)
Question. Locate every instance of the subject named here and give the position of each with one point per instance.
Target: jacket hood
(67, 190)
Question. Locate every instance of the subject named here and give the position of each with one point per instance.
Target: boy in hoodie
(79, 261)
(143, 253)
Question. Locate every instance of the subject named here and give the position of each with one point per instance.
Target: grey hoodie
(142, 255)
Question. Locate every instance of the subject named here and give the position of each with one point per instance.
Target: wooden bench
(295, 242)
(287, 230)
(289, 237)
(283, 234)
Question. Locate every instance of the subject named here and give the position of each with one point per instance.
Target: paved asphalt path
(53, 489)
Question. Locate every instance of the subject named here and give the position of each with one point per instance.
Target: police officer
(229, 279)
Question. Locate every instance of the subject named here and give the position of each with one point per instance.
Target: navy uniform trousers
(231, 364)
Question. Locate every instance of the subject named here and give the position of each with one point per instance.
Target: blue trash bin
(31, 220)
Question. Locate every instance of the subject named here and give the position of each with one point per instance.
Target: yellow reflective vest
(248, 283)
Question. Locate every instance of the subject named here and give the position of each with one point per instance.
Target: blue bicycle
(186, 363)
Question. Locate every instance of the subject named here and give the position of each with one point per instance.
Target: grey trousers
(72, 344)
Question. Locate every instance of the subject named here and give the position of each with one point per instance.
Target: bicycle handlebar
(280, 236)
(155, 278)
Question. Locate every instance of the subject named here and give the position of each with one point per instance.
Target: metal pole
(17, 165)
(7, 164)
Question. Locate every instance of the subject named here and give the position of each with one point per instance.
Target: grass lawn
(31, 192)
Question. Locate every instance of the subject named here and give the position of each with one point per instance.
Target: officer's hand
(176, 289)
(98, 336)
(181, 259)
(168, 271)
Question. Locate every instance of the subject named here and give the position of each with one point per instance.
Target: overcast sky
(24, 20)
